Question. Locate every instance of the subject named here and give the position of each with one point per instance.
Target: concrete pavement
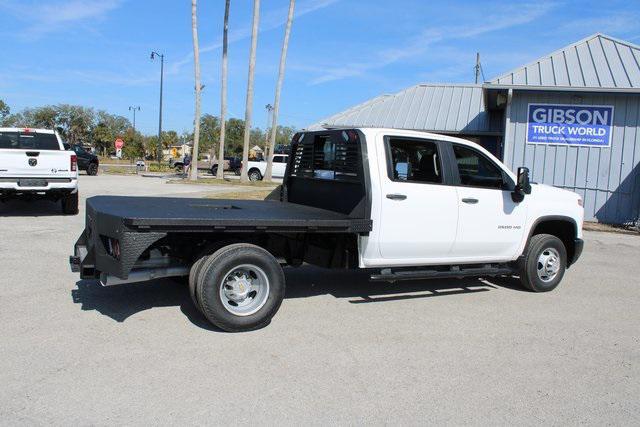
(340, 350)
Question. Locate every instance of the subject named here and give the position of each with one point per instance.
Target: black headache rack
(328, 195)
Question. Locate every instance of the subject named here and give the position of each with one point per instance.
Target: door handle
(396, 196)
(470, 201)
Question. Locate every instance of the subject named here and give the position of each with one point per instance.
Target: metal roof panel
(598, 61)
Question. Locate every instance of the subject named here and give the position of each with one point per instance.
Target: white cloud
(417, 45)
(43, 18)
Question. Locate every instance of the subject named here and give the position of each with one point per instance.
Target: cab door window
(414, 161)
(476, 170)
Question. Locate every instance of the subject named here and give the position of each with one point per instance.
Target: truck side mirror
(66, 146)
(523, 186)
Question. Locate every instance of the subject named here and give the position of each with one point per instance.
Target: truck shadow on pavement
(17, 208)
(122, 301)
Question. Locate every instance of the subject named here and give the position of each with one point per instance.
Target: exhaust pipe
(143, 275)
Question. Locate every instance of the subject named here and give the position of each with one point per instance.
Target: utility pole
(477, 67)
(153, 55)
(134, 109)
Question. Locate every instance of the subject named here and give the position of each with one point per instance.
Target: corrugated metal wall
(608, 179)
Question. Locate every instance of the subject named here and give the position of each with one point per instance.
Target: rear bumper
(11, 187)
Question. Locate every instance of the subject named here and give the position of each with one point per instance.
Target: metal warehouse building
(572, 117)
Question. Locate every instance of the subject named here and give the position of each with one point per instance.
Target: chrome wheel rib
(244, 290)
(548, 264)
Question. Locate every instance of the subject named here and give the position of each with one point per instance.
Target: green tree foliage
(81, 125)
(284, 134)
(4, 112)
(74, 123)
(134, 145)
(209, 133)
(234, 136)
(170, 138)
(106, 130)
(150, 144)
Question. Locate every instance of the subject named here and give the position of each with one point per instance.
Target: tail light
(74, 163)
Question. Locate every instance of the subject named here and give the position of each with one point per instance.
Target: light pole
(153, 55)
(134, 109)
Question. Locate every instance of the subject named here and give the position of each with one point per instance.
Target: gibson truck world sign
(560, 124)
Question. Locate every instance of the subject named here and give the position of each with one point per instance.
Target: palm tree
(223, 95)
(249, 108)
(196, 63)
(276, 103)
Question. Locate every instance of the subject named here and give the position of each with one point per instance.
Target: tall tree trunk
(249, 108)
(223, 95)
(276, 103)
(193, 175)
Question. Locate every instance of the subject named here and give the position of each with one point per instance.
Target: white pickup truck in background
(257, 169)
(35, 164)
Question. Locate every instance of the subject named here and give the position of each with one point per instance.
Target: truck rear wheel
(70, 204)
(544, 263)
(193, 280)
(92, 169)
(240, 287)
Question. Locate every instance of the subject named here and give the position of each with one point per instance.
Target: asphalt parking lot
(340, 350)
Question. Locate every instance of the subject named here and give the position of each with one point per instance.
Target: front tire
(240, 287)
(544, 264)
(70, 204)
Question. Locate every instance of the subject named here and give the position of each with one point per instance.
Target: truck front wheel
(240, 287)
(545, 261)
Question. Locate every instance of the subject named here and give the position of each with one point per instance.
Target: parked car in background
(179, 165)
(35, 164)
(257, 169)
(86, 161)
(232, 164)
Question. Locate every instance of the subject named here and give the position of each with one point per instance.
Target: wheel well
(563, 229)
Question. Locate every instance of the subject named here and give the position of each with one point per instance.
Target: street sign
(119, 144)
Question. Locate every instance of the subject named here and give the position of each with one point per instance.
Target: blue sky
(342, 52)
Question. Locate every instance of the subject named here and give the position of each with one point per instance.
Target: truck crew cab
(400, 204)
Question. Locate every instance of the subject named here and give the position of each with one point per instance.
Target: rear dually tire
(240, 287)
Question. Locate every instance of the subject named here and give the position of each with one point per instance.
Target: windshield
(29, 141)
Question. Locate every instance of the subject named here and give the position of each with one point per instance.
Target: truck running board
(458, 272)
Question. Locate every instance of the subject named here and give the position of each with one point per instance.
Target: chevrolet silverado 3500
(35, 164)
(400, 204)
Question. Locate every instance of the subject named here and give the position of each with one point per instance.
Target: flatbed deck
(171, 214)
